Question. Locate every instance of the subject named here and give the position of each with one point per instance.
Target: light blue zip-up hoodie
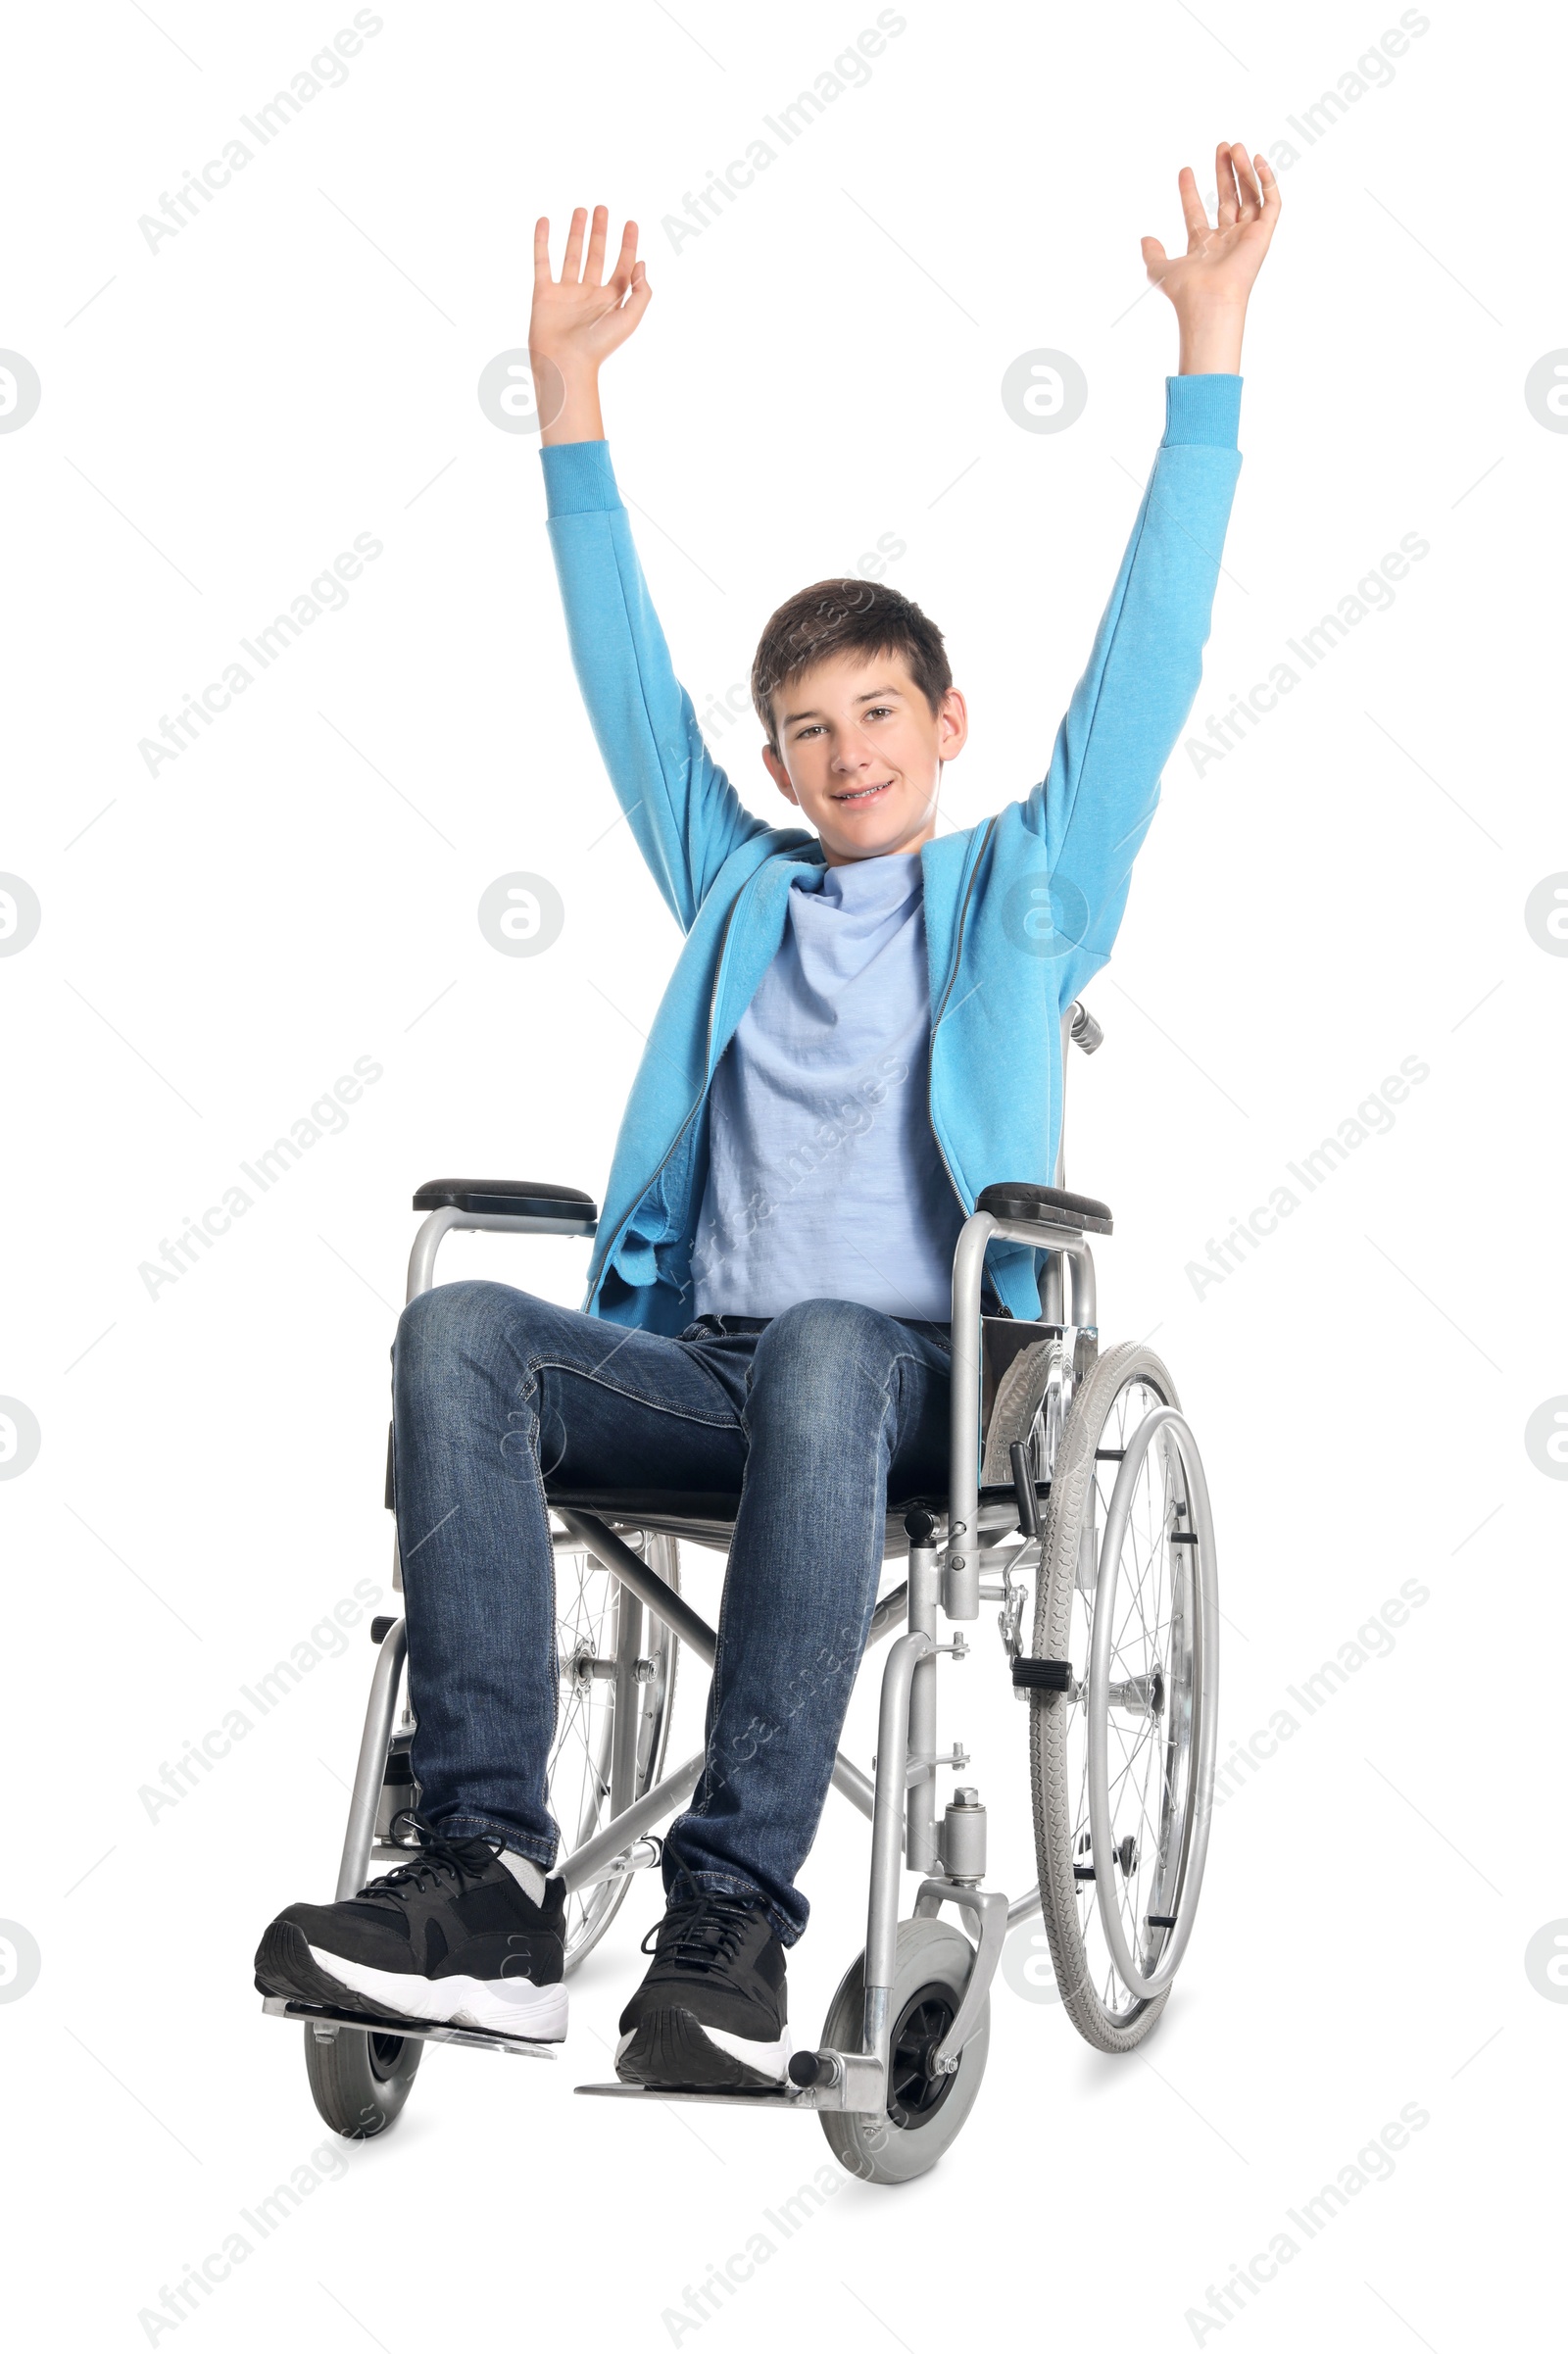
(1019, 910)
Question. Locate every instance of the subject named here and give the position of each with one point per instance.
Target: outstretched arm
(1095, 802)
(683, 810)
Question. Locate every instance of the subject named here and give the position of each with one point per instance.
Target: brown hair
(845, 617)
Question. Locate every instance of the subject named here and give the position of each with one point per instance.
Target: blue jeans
(815, 1417)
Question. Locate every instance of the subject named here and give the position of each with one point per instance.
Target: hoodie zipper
(958, 955)
(708, 1057)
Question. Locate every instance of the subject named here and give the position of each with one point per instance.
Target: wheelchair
(1074, 1478)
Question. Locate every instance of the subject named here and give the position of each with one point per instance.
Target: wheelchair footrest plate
(417, 2031)
(786, 2096)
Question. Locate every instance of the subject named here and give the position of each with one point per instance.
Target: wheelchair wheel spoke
(585, 1755)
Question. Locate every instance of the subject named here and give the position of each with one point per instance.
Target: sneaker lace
(703, 1934)
(458, 1859)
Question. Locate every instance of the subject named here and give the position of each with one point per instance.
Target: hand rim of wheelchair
(1146, 1985)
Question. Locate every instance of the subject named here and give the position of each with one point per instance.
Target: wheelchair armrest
(500, 1205)
(1046, 1206)
(506, 1197)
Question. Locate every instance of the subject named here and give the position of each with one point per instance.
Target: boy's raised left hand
(1209, 284)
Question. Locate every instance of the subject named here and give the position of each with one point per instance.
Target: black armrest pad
(506, 1197)
(1046, 1206)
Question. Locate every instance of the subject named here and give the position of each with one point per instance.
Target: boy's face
(861, 753)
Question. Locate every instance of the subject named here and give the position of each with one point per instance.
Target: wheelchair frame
(946, 1576)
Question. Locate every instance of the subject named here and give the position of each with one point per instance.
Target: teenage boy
(861, 1032)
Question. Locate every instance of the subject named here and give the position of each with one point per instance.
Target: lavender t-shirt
(824, 1178)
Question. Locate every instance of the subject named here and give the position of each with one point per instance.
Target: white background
(219, 941)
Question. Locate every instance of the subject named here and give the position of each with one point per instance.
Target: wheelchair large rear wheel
(617, 1691)
(1123, 1759)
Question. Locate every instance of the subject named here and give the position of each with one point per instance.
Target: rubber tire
(1052, 1801)
(358, 2092)
(873, 2148)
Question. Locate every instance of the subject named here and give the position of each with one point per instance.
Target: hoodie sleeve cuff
(1201, 409)
(579, 479)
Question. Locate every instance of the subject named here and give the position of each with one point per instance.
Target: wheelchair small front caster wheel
(360, 2082)
(925, 2109)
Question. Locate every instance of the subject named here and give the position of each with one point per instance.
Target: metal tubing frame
(442, 1222)
(961, 1577)
(371, 1771)
(992, 1919)
(584, 1864)
(627, 1719)
(432, 1233)
(615, 1554)
(1061, 1177)
(887, 1823)
(920, 1803)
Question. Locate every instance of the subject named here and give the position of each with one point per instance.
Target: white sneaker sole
(769, 2059)
(507, 2006)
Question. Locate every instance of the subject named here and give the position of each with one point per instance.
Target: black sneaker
(712, 2011)
(449, 1937)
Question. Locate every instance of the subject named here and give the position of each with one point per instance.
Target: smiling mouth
(862, 793)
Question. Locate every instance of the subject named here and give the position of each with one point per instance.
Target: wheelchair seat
(701, 1514)
(703, 1518)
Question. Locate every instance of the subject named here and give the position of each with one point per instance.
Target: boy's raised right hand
(579, 320)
